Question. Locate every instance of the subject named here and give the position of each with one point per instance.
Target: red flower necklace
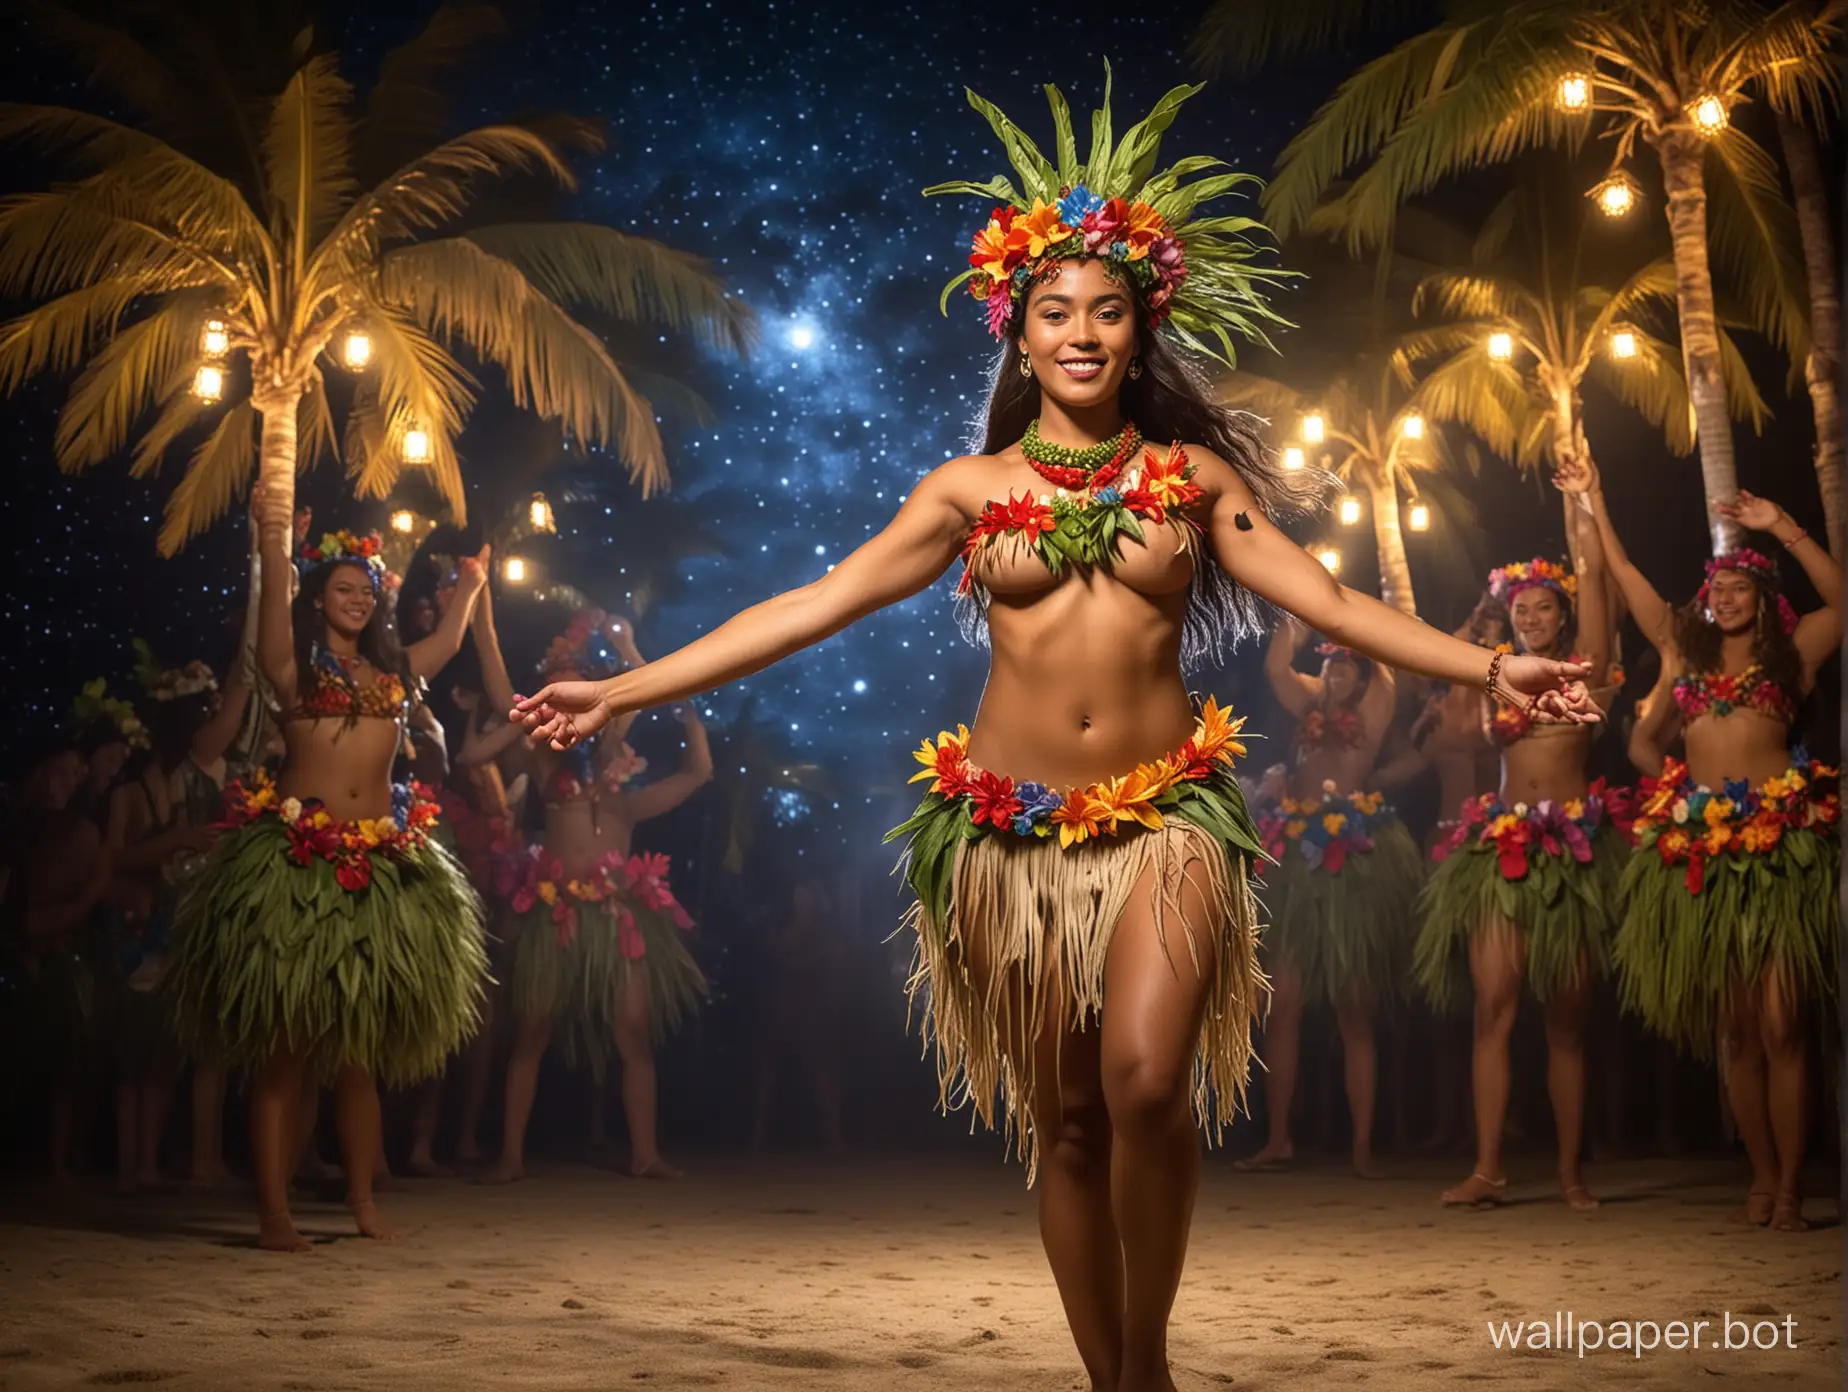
(1081, 470)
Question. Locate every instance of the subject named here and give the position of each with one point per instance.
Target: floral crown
(1762, 571)
(1539, 573)
(584, 648)
(347, 548)
(172, 683)
(1198, 275)
(1337, 651)
(93, 704)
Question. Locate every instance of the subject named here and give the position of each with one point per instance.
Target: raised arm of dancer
(218, 733)
(276, 580)
(479, 748)
(1296, 691)
(1819, 632)
(430, 655)
(495, 682)
(1651, 612)
(1265, 561)
(1593, 608)
(915, 548)
(694, 773)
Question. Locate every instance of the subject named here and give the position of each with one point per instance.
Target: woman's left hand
(1554, 692)
(1750, 510)
(472, 573)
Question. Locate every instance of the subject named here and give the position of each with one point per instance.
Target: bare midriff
(1744, 744)
(347, 765)
(1548, 762)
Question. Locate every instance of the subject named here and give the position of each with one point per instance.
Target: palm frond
(1755, 241)
(1237, 37)
(1474, 295)
(1262, 396)
(407, 110)
(125, 379)
(633, 278)
(1654, 385)
(1484, 396)
(418, 385)
(219, 471)
(307, 153)
(1789, 51)
(113, 59)
(58, 336)
(180, 410)
(316, 437)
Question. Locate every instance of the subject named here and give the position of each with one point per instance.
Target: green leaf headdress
(1199, 276)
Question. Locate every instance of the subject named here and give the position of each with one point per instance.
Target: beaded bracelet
(1491, 681)
(1800, 536)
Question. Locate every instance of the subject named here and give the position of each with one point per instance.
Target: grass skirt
(1339, 910)
(1698, 920)
(1563, 907)
(1038, 908)
(271, 952)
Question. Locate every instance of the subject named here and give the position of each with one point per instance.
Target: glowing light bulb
(1616, 196)
(403, 520)
(1412, 427)
(416, 445)
(356, 351)
(1418, 517)
(216, 340)
(539, 513)
(1574, 92)
(514, 570)
(1501, 346)
(1313, 428)
(1293, 457)
(1623, 344)
(1330, 559)
(209, 382)
(1709, 115)
(1349, 509)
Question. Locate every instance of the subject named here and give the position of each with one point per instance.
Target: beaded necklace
(1088, 469)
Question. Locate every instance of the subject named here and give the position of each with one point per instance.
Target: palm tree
(1489, 80)
(1822, 368)
(287, 238)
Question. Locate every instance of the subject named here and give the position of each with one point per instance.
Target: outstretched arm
(1819, 632)
(916, 547)
(1648, 608)
(276, 580)
(1296, 691)
(430, 655)
(494, 679)
(480, 747)
(694, 773)
(218, 733)
(1268, 563)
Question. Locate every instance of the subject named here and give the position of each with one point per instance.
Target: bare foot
(502, 1171)
(385, 1182)
(276, 1233)
(1755, 1212)
(425, 1167)
(1787, 1214)
(656, 1168)
(366, 1218)
(1479, 1190)
(1365, 1168)
(315, 1170)
(1272, 1157)
(1578, 1197)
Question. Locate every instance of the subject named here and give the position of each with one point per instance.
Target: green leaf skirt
(269, 953)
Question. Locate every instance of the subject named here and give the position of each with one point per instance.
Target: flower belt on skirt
(1726, 885)
(358, 943)
(1338, 894)
(1031, 883)
(1549, 869)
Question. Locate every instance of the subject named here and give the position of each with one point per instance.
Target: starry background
(789, 143)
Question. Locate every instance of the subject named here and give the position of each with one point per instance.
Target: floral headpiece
(1335, 650)
(1198, 275)
(1539, 573)
(173, 683)
(94, 704)
(347, 548)
(1762, 571)
(584, 648)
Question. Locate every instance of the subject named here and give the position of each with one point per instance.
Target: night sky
(789, 143)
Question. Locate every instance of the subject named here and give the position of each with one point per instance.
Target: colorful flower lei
(1539, 573)
(1081, 528)
(94, 704)
(174, 683)
(348, 548)
(1547, 827)
(584, 648)
(540, 879)
(1324, 830)
(1684, 822)
(313, 831)
(1762, 571)
(1321, 730)
(1703, 693)
(1080, 814)
(580, 775)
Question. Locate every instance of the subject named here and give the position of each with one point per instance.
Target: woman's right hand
(563, 713)
(1575, 473)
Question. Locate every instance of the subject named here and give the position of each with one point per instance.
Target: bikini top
(1083, 526)
(580, 779)
(1716, 693)
(1321, 730)
(334, 694)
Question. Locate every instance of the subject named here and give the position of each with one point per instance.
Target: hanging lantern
(1501, 345)
(1293, 457)
(356, 350)
(1348, 509)
(540, 514)
(404, 520)
(215, 342)
(1573, 92)
(1330, 559)
(1418, 517)
(416, 445)
(1314, 428)
(514, 570)
(1623, 344)
(1709, 115)
(1616, 196)
(1412, 426)
(209, 382)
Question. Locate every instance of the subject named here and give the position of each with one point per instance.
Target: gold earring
(1135, 368)
(1026, 365)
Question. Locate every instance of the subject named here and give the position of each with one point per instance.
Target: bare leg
(1360, 1066)
(1565, 1082)
(1743, 1057)
(275, 1112)
(356, 1116)
(208, 1116)
(426, 1115)
(635, 1047)
(477, 1073)
(310, 1164)
(531, 1034)
(1282, 1053)
(1157, 994)
(1786, 1073)
(1497, 960)
(151, 1121)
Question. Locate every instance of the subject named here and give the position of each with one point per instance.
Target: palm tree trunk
(1682, 153)
(276, 457)
(1823, 368)
(1389, 541)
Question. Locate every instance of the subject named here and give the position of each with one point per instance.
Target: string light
(514, 570)
(540, 514)
(1293, 457)
(1349, 509)
(1412, 427)
(1313, 428)
(1418, 517)
(1574, 92)
(356, 351)
(403, 520)
(1623, 344)
(416, 445)
(1330, 559)
(209, 382)
(1501, 345)
(1709, 115)
(216, 340)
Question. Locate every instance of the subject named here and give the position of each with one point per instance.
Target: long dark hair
(378, 640)
(1699, 637)
(1172, 401)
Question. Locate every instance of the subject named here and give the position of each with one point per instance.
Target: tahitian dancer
(1088, 841)
(1730, 909)
(329, 937)
(1525, 888)
(1340, 895)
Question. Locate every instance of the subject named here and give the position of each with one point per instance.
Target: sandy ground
(891, 1275)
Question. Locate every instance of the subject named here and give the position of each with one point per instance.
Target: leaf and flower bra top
(1716, 693)
(335, 694)
(580, 778)
(1099, 495)
(1341, 728)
